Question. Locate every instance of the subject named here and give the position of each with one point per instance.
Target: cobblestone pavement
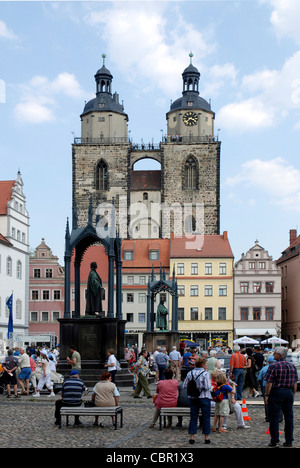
(29, 423)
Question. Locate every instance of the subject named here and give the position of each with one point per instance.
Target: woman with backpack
(198, 385)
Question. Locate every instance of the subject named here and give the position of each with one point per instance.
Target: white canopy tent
(274, 340)
(245, 340)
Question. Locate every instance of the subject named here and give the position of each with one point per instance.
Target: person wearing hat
(71, 395)
(237, 364)
(45, 378)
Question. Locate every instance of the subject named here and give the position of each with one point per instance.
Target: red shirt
(238, 361)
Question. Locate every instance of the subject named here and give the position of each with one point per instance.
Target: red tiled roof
(5, 194)
(4, 240)
(141, 248)
(207, 246)
(145, 180)
(291, 251)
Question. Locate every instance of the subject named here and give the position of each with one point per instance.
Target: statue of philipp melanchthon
(94, 292)
(161, 316)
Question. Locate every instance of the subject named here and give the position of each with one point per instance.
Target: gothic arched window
(101, 176)
(190, 175)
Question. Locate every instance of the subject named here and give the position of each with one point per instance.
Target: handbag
(89, 404)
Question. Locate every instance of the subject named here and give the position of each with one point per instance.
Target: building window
(129, 318)
(269, 287)
(48, 272)
(180, 313)
(55, 316)
(18, 309)
(128, 254)
(9, 266)
(57, 295)
(222, 269)
(244, 313)
(142, 279)
(130, 297)
(262, 265)
(208, 290)
(256, 287)
(33, 316)
(269, 313)
(142, 317)
(194, 313)
(153, 255)
(190, 174)
(145, 196)
(208, 268)
(46, 295)
(35, 295)
(194, 291)
(130, 279)
(251, 265)
(222, 313)
(208, 313)
(142, 298)
(244, 288)
(181, 290)
(36, 273)
(194, 269)
(101, 176)
(45, 317)
(256, 313)
(222, 290)
(180, 268)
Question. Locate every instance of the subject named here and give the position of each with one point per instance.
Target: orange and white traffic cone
(246, 417)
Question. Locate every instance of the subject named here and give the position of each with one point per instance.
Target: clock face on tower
(190, 118)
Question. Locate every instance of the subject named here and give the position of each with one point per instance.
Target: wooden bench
(177, 411)
(92, 411)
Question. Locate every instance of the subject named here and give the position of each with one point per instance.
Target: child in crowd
(134, 371)
(220, 396)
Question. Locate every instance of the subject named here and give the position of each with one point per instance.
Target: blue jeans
(196, 404)
(161, 370)
(239, 380)
(281, 399)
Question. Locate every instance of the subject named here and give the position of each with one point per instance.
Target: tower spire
(191, 55)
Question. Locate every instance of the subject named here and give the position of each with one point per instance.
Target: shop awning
(254, 331)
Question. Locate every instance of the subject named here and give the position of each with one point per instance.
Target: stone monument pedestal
(93, 337)
(166, 339)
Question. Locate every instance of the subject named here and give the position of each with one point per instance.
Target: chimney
(225, 235)
(293, 235)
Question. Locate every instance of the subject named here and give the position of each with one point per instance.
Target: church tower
(181, 197)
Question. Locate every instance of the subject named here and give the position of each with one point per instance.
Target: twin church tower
(182, 197)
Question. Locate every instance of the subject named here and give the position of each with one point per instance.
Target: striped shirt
(203, 382)
(238, 361)
(72, 391)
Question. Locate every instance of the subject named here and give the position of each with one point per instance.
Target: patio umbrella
(245, 340)
(274, 339)
(190, 343)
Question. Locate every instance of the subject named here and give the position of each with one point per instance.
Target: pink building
(46, 292)
(290, 291)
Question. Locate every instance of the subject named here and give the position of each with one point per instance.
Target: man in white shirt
(175, 360)
(24, 364)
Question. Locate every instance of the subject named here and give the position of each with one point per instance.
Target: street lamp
(267, 335)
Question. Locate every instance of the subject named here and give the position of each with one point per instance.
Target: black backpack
(192, 389)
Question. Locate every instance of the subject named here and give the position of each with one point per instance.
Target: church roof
(185, 101)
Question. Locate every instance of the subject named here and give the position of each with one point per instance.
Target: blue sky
(248, 54)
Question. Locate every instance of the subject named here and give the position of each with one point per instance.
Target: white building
(257, 294)
(14, 256)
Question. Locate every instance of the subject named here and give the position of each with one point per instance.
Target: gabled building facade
(14, 256)
(257, 295)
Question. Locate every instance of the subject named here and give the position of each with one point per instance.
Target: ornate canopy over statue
(154, 288)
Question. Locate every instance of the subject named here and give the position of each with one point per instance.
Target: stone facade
(188, 197)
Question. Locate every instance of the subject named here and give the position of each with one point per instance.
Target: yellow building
(204, 275)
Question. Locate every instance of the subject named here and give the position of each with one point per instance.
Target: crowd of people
(184, 378)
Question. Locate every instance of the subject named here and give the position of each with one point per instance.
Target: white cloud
(158, 41)
(38, 100)
(285, 18)
(276, 178)
(5, 32)
(250, 114)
